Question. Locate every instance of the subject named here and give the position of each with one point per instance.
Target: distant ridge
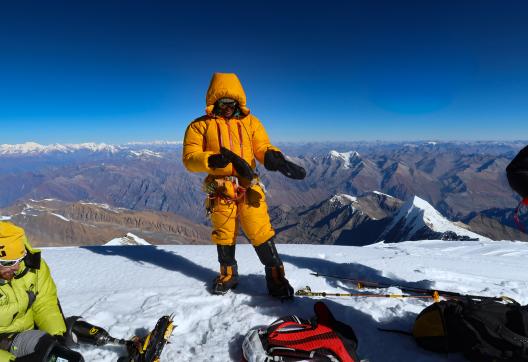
(33, 148)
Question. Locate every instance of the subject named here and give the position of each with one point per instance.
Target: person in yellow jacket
(32, 326)
(30, 317)
(226, 143)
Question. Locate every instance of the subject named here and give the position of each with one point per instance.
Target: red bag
(293, 339)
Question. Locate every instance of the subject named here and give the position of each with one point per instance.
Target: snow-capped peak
(426, 213)
(129, 239)
(345, 157)
(382, 194)
(156, 143)
(343, 199)
(36, 148)
(146, 153)
(417, 215)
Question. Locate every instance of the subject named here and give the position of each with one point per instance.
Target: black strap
(33, 259)
(32, 262)
(291, 318)
(395, 331)
(495, 329)
(313, 356)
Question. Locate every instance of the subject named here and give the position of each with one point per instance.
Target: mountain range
(464, 181)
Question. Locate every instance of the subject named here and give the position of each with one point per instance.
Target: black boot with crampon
(278, 285)
(228, 278)
(149, 347)
(140, 349)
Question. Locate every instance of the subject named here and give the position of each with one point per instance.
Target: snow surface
(125, 289)
(382, 194)
(60, 216)
(105, 206)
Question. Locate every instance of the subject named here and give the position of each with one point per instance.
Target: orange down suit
(243, 135)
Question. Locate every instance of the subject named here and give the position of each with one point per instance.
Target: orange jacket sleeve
(194, 156)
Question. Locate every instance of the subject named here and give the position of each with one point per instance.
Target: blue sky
(119, 71)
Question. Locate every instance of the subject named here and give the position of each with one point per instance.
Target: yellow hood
(225, 85)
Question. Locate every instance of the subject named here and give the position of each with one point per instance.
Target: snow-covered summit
(417, 219)
(146, 154)
(129, 239)
(343, 199)
(346, 157)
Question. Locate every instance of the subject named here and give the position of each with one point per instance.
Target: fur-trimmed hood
(225, 85)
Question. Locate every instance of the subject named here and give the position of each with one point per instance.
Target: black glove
(217, 161)
(241, 166)
(275, 161)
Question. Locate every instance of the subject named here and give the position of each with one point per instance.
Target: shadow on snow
(369, 337)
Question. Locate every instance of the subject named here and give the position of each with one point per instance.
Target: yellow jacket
(30, 300)
(244, 135)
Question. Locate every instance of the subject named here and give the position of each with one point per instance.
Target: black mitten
(241, 166)
(217, 161)
(275, 161)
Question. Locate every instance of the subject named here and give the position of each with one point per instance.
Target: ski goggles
(9, 263)
(520, 213)
(226, 103)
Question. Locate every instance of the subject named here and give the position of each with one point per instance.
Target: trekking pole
(360, 284)
(307, 292)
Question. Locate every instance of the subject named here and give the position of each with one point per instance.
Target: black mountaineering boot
(228, 278)
(278, 285)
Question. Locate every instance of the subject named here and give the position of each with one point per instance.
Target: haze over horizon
(114, 72)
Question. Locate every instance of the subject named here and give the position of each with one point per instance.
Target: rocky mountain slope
(373, 217)
(51, 222)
